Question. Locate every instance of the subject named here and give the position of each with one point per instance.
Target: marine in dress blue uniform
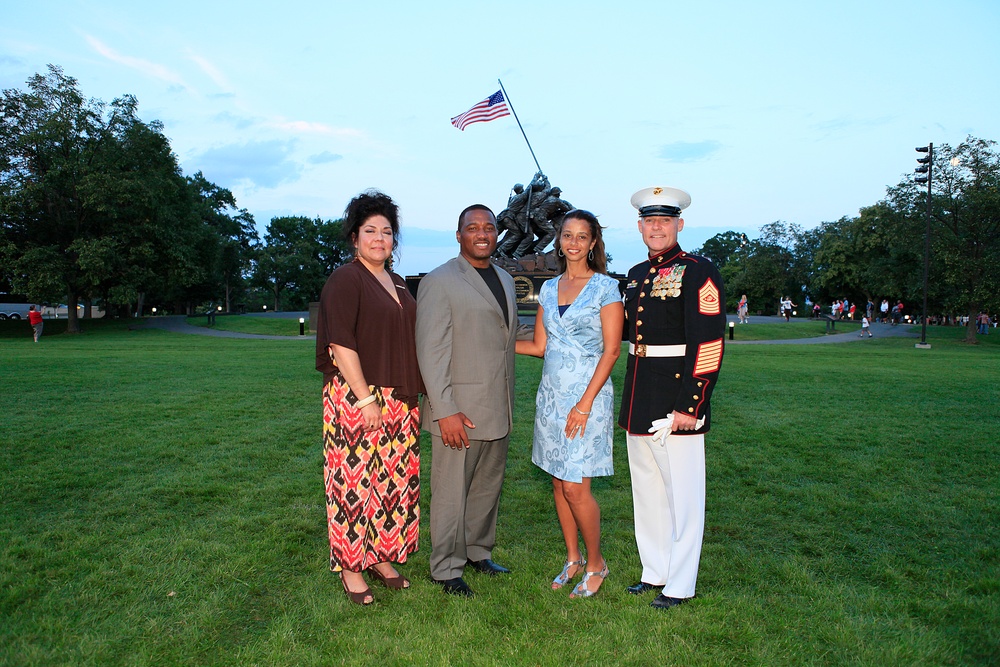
(675, 324)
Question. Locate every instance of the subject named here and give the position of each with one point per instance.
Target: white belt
(643, 350)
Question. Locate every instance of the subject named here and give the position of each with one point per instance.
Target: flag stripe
(491, 108)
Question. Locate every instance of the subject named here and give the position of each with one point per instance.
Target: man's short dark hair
(474, 207)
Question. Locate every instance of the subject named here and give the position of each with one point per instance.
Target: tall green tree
(48, 140)
(722, 247)
(965, 226)
(233, 237)
(297, 256)
(765, 269)
(91, 197)
(841, 264)
(93, 204)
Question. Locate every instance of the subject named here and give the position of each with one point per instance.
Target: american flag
(491, 108)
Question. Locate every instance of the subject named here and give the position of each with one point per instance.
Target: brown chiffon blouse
(356, 312)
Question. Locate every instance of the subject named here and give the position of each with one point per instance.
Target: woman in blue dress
(578, 330)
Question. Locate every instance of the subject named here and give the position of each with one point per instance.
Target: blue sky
(795, 111)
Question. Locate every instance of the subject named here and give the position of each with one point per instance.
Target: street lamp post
(926, 167)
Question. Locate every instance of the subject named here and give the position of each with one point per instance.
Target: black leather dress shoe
(663, 602)
(641, 587)
(456, 586)
(487, 566)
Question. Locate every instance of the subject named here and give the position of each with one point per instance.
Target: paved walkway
(178, 324)
(878, 331)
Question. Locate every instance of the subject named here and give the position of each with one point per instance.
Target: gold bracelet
(365, 401)
(581, 411)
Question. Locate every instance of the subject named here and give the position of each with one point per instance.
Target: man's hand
(453, 430)
(661, 428)
(683, 422)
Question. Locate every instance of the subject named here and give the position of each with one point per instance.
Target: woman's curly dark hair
(365, 205)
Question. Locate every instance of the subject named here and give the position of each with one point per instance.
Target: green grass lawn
(163, 504)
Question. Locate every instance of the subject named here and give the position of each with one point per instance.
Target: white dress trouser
(668, 494)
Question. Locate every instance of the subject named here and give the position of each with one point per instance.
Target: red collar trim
(667, 256)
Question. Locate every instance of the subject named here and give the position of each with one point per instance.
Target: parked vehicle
(13, 307)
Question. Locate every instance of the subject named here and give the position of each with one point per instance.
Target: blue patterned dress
(573, 348)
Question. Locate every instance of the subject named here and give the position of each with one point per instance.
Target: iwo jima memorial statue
(529, 223)
(527, 227)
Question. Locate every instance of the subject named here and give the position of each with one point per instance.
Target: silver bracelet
(365, 401)
(581, 411)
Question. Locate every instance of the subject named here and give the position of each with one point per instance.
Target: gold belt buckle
(640, 350)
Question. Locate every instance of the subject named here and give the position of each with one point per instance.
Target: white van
(14, 311)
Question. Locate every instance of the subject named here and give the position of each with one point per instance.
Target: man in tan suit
(466, 327)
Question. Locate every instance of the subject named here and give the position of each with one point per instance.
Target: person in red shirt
(35, 320)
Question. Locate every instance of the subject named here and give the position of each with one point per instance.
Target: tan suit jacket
(465, 349)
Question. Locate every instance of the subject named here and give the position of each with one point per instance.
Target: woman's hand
(372, 414)
(576, 421)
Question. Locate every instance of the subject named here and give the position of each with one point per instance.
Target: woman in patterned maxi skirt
(365, 348)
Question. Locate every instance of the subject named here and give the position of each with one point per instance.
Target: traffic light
(925, 163)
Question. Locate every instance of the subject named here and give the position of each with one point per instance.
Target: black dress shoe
(456, 586)
(641, 587)
(663, 602)
(487, 566)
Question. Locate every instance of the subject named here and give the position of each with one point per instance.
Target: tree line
(879, 254)
(95, 208)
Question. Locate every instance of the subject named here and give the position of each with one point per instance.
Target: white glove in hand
(661, 428)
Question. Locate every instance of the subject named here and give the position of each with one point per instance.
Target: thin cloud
(212, 72)
(144, 66)
(262, 163)
(325, 157)
(239, 122)
(687, 151)
(307, 127)
(848, 123)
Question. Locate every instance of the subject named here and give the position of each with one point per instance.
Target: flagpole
(507, 97)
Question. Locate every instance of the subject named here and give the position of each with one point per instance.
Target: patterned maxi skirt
(372, 479)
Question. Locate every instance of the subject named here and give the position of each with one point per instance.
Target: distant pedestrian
(816, 310)
(983, 324)
(786, 307)
(869, 309)
(850, 313)
(741, 310)
(864, 327)
(884, 310)
(35, 320)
